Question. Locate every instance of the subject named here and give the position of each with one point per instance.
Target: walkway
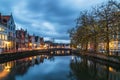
(18, 55)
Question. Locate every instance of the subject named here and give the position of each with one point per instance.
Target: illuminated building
(21, 39)
(3, 38)
(7, 35)
(42, 42)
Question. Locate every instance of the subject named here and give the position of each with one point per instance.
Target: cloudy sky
(46, 18)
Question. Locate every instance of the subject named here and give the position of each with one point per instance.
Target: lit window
(0, 29)
(2, 36)
(3, 29)
(5, 37)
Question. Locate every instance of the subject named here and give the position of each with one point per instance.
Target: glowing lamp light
(30, 44)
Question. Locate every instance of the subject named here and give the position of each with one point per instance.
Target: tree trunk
(86, 47)
(107, 39)
(95, 45)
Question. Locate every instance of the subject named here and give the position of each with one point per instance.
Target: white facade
(3, 38)
(7, 32)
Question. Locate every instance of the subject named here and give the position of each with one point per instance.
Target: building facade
(7, 33)
(4, 44)
(21, 39)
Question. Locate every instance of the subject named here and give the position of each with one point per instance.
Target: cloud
(46, 18)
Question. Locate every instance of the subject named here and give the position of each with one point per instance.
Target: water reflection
(84, 69)
(9, 70)
(45, 67)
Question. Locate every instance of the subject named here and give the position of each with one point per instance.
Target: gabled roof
(7, 17)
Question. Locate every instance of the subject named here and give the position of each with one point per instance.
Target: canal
(45, 67)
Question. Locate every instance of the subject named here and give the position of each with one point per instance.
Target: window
(3, 37)
(114, 36)
(0, 36)
(9, 26)
(118, 36)
(4, 21)
(11, 22)
(1, 29)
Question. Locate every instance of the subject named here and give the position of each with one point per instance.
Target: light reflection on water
(45, 67)
(48, 70)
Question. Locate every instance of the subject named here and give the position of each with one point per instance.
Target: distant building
(21, 39)
(37, 42)
(50, 44)
(34, 42)
(42, 42)
(33, 45)
(26, 34)
(47, 44)
(29, 41)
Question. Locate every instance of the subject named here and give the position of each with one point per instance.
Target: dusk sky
(46, 18)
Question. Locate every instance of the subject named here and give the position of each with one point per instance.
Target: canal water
(45, 67)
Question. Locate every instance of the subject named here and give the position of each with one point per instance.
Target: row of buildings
(12, 39)
(114, 46)
(19, 40)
